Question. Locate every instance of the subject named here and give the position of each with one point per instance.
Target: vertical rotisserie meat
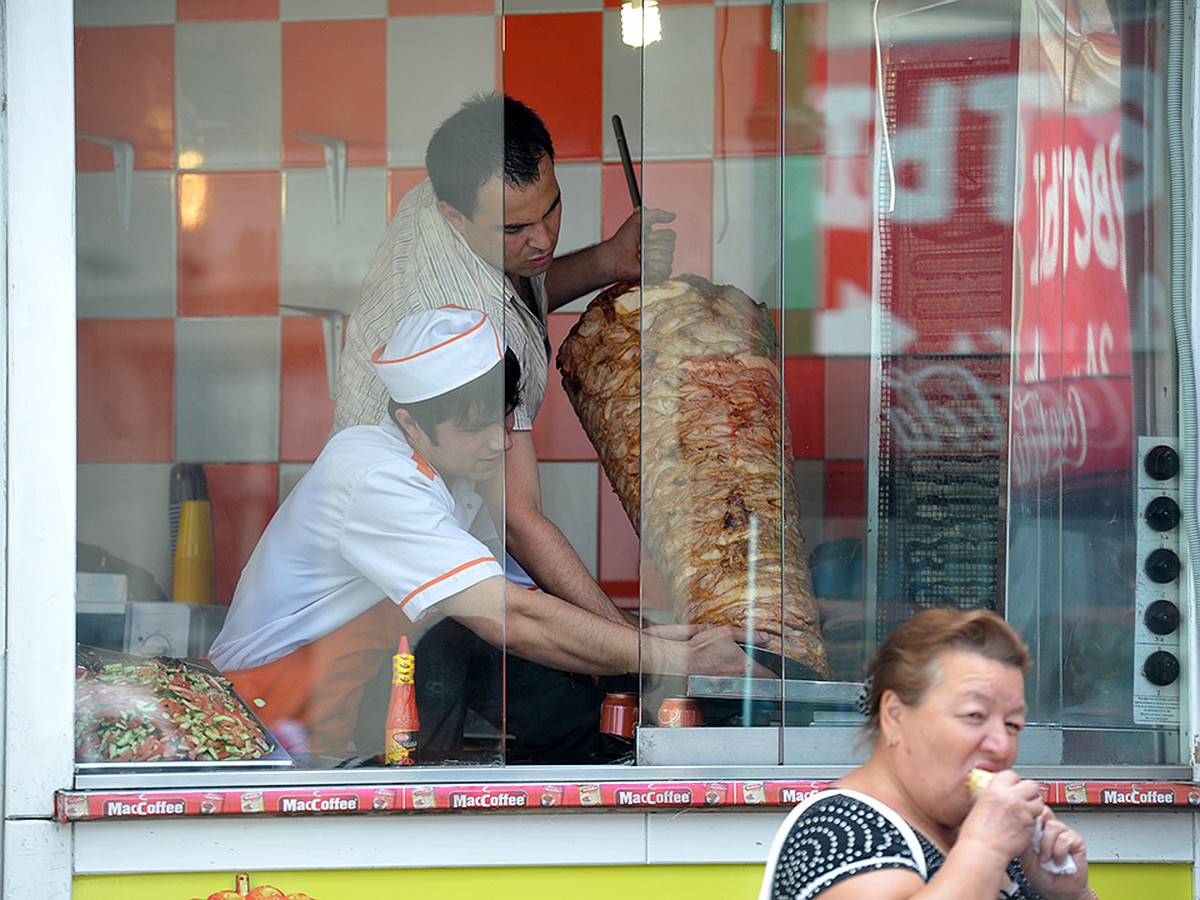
(678, 387)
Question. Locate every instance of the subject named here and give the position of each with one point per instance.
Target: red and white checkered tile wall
(191, 348)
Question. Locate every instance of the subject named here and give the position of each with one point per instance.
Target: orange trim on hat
(440, 578)
(376, 358)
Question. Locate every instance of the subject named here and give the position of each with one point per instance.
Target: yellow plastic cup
(195, 574)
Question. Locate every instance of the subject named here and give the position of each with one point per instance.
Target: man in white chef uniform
(390, 510)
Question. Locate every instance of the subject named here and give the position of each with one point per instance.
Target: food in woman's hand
(978, 780)
(678, 388)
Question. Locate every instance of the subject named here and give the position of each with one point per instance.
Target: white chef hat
(434, 351)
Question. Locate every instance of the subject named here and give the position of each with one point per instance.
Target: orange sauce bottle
(400, 739)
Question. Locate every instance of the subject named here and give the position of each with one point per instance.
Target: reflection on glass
(1093, 386)
(905, 343)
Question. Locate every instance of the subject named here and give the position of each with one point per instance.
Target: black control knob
(1162, 514)
(1161, 668)
(1162, 462)
(1162, 617)
(1162, 566)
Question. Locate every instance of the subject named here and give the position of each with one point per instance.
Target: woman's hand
(1058, 844)
(1004, 815)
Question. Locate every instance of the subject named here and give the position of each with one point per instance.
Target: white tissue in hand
(1065, 868)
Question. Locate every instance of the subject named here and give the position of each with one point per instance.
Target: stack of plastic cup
(195, 574)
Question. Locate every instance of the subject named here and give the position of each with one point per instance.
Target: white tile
(676, 120)
(571, 500)
(427, 83)
(582, 217)
(849, 110)
(289, 474)
(227, 389)
(103, 13)
(228, 95)
(319, 10)
(852, 27)
(125, 272)
(580, 186)
(746, 226)
(123, 508)
(324, 262)
(622, 89)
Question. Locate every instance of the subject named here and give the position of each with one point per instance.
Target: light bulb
(640, 22)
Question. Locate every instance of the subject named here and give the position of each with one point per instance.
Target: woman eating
(945, 703)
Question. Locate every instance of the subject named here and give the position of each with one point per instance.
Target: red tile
(747, 83)
(847, 407)
(335, 85)
(557, 434)
(684, 188)
(620, 550)
(225, 10)
(850, 64)
(243, 497)
(847, 231)
(654, 595)
(845, 489)
(444, 7)
(400, 182)
(126, 390)
(616, 4)
(625, 576)
(125, 90)
(804, 388)
(229, 243)
(305, 407)
(553, 63)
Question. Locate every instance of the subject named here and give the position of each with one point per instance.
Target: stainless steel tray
(277, 757)
(789, 690)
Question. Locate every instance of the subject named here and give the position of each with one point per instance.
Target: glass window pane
(900, 335)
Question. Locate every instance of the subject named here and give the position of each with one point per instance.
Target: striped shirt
(423, 263)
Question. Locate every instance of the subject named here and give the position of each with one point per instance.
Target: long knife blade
(630, 178)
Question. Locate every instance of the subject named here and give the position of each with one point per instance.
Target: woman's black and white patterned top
(837, 834)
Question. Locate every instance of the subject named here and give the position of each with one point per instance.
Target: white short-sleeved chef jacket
(369, 520)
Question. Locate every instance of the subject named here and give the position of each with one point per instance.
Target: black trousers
(552, 717)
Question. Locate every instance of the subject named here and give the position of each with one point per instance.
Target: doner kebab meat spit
(682, 400)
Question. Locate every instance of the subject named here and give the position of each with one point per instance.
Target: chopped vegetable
(161, 709)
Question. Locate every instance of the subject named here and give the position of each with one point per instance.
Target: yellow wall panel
(1113, 881)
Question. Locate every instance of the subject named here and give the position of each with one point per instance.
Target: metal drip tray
(760, 722)
(789, 690)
